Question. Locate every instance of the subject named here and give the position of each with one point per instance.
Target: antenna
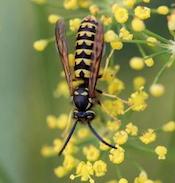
(99, 137)
(69, 137)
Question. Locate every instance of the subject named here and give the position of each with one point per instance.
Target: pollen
(161, 151)
(117, 156)
(148, 137)
(142, 12)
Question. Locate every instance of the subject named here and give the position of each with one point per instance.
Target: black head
(84, 116)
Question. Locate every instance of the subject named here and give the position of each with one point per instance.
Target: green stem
(157, 77)
(141, 50)
(156, 54)
(119, 174)
(156, 36)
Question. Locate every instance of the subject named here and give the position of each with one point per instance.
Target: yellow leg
(114, 97)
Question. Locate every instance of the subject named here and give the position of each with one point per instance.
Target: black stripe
(86, 28)
(84, 46)
(82, 65)
(91, 21)
(83, 55)
(84, 36)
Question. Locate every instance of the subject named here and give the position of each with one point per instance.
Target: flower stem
(108, 60)
(156, 36)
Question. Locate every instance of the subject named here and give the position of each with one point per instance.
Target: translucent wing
(97, 54)
(63, 51)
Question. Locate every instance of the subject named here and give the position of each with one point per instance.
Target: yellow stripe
(89, 24)
(86, 61)
(86, 73)
(88, 42)
(89, 34)
(79, 51)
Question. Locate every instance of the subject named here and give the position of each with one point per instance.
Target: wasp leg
(68, 125)
(110, 96)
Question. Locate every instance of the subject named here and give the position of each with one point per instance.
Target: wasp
(88, 55)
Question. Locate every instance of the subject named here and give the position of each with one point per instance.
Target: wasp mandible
(88, 55)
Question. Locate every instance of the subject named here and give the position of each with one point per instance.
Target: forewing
(63, 51)
(97, 54)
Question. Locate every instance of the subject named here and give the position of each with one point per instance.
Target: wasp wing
(63, 51)
(97, 55)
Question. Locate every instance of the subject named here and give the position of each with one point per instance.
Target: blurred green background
(27, 81)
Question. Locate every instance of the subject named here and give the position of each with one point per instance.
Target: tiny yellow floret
(161, 151)
(110, 36)
(115, 86)
(106, 20)
(121, 15)
(74, 24)
(70, 4)
(51, 121)
(125, 34)
(171, 22)
(129, 3)
(116, 44)
(148, 137)
(152, 41)
(117, 156)
(137, 25)
(53, 18)
(123, 180)
(131, 129)
(142, 12)
(136, 63)
(169, 126)
(157, 90)
(138, 82)
(94, 9)
(40, 45)
(120, 137)
(163, 10)
(149, 62)
(100, 168)
(60, 171)
(91, 153)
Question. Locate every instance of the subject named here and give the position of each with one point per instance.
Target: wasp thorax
(81, 99)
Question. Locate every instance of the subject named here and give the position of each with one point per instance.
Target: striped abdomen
(84, 47)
